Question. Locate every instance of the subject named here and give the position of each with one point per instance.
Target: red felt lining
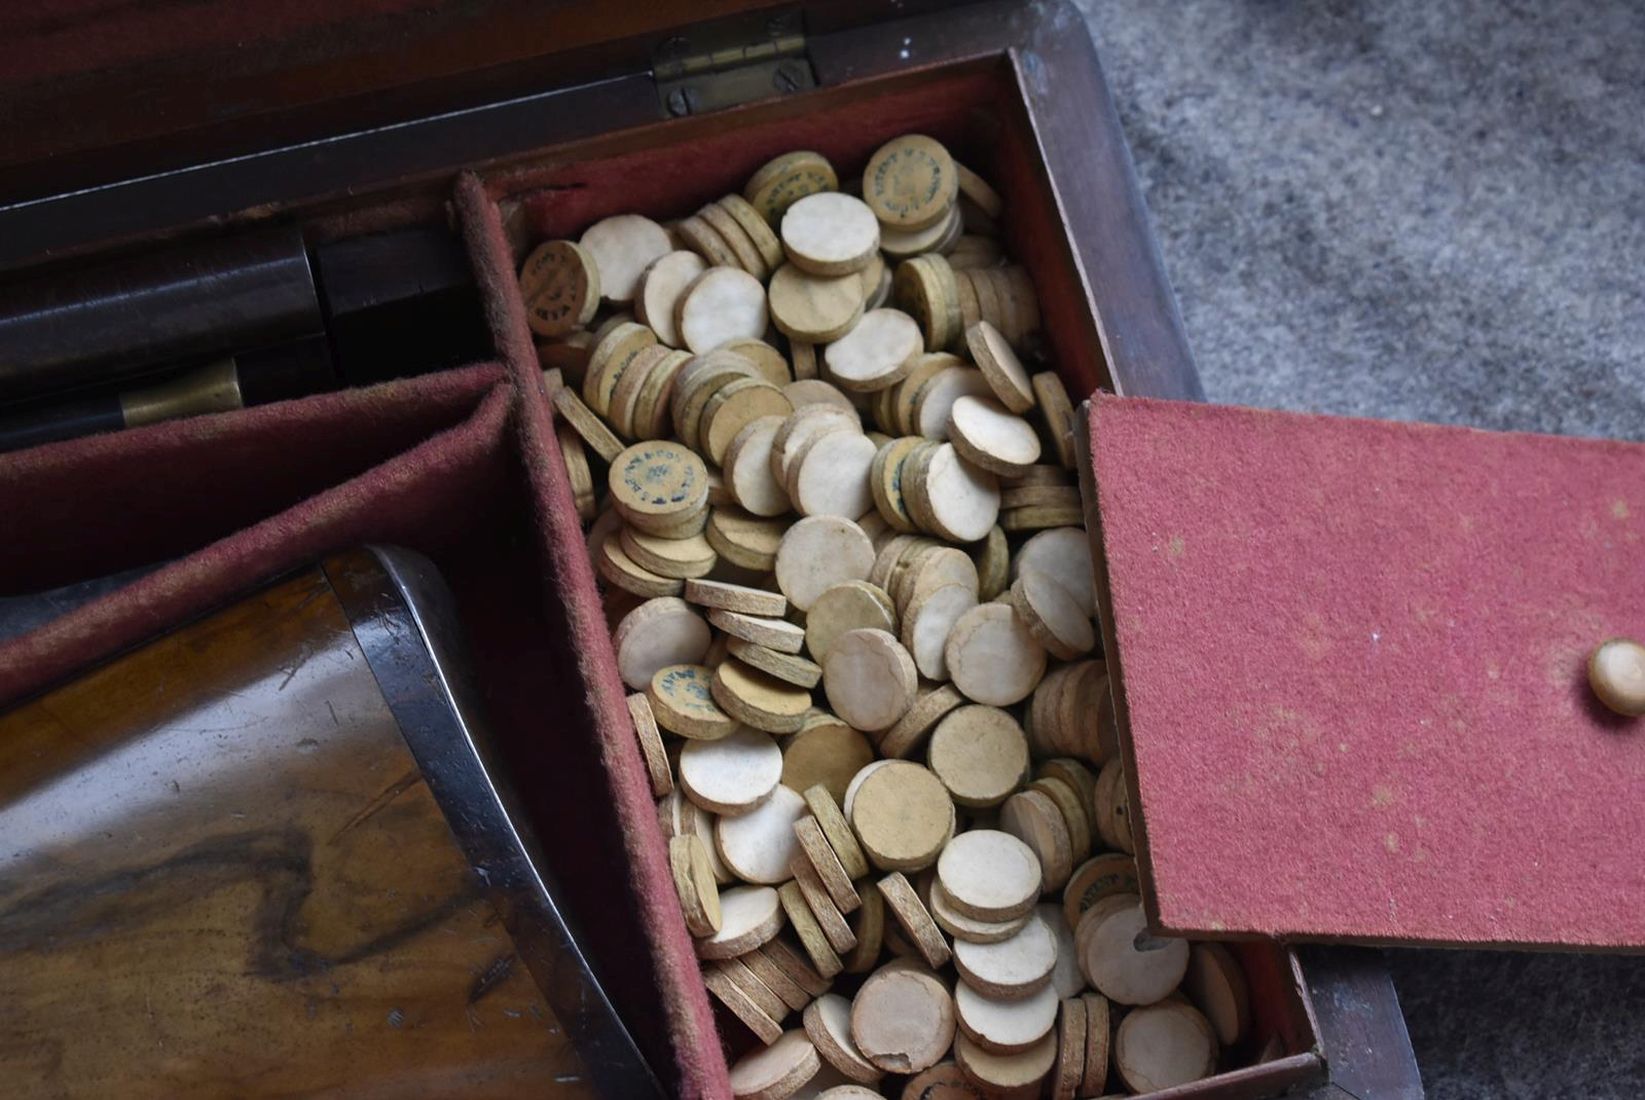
(148, 494)
(1351, 656)
(668, 966)
(673, 168)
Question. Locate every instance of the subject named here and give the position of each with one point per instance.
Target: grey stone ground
(1430, 211)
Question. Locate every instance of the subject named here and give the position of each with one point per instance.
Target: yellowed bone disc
(910, 182)
(561, 287)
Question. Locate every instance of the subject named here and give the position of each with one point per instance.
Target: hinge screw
(680, 102)
(786, 78)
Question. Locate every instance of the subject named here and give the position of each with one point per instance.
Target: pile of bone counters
(852, 597)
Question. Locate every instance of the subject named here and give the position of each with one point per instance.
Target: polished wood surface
(223, 874)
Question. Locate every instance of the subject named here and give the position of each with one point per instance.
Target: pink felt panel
(1351, 656)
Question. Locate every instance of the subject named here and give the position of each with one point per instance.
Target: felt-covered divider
(234, 498)
(591, 699)
(431, 463)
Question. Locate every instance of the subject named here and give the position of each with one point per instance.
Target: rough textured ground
(1429, 210)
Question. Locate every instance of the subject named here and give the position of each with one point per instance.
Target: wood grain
(223, 874)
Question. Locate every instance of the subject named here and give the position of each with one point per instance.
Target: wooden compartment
(1014, 88)
(668, 170)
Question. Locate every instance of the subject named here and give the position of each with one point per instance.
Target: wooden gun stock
(264, 855)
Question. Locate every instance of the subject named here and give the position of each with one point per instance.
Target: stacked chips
(851, 594)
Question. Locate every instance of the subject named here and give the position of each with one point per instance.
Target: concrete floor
(1426, 210)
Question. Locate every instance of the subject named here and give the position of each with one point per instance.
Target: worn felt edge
(198, 582)
(1305, 1064)
(1108, 407)
(683, 997)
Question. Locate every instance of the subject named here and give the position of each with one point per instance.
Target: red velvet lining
(670, 169)
(1353, 658)
(670, 964)
(109, 502)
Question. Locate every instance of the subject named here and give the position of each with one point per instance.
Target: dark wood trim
(1366, 1044)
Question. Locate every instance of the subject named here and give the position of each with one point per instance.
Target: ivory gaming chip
(981, 756)
(758, 699)
(757, 228)
(915, 920)
(1057, 412)
(694, 882)
(1000, 366)
(830, 478)
(733, 774)
(1216, 984)
(1002, 1026)
(824, 862)
(826, 751)
(1122, 959)
(785, 180)
(656, 484)
(971, 930)
(758, 845)
(819, 552)
(622, 247)
(1007, 1074)
(962, 500)
(1011, 969)
(902, 815)
(828, 1022)
(830, 233)
(777, 1071)
(849, 605)
(724, 303)
(1034, 819)
(902, 1019)
(877, 352)
(660, 290)
(1065, 553)
(935, 401)
(735, 597)
(1164, 1045)
(992, 657)
(989, 875)
(732, 408)
(988, 435)
(676, 558)
(742, 246)
(869, 678)
(904, 243)
(749, 917)
(777, 634)
(657, 766)
(683, 702)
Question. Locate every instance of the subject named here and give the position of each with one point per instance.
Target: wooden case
(1017, 92)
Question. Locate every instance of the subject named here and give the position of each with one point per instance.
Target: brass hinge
(732, 62)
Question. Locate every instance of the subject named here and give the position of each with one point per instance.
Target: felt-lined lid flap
(1349, 663)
